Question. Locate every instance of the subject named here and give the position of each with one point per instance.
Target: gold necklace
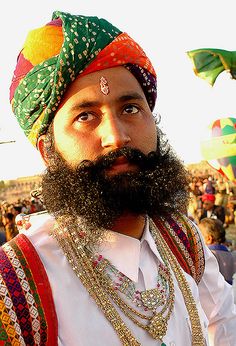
(83, 269)
(148, 300)
(158, 321)
(100, 289)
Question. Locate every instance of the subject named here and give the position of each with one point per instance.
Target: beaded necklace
(101, 288)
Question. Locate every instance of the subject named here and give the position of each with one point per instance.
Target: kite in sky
(209, 63)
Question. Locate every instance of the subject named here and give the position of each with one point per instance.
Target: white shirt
(80, 321)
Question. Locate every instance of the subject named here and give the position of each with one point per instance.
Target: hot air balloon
(210, 62)
(220, 149)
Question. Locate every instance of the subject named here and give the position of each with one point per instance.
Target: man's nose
(114, 133)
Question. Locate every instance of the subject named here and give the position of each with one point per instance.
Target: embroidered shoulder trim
(184, 240)
(27, 312)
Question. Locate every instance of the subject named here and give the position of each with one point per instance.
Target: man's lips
(121, 160)
(121, 164)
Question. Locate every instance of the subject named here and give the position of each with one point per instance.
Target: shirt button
(172, 343)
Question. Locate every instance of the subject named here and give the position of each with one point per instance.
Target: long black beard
(158, 187)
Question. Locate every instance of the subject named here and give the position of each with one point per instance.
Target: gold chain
(100, 288)
(83, 269)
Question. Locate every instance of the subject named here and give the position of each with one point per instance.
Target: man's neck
(130, 225)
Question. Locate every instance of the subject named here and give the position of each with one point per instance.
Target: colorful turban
(55, 54)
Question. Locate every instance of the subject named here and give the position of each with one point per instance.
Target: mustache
(132, 155)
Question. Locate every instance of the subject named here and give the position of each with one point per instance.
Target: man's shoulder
(183, 237)
(40, 219)
(40, 226)
(25, 296)
(22, 250)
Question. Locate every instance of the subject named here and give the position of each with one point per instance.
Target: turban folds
(55, 54)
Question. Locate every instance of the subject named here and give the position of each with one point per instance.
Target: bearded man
(115, 261)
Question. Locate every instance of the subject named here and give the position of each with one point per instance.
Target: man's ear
(209, 239)
(42, 146)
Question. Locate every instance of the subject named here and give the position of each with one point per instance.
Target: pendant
(157, 327)
(151, 299)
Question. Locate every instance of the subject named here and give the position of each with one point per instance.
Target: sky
(166, 31)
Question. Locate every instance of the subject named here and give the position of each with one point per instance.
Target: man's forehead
(115, 82)
(110, 75)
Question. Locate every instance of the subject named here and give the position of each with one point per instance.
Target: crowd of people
(13, 215)
(212, 196)
(213, 208)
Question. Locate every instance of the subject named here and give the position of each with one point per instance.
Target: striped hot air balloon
(220, 150)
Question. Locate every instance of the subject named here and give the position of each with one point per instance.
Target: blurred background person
(208, 186)
(210, 210)
(9, 225)
(214, 237)
(230, 214)
(222, 191)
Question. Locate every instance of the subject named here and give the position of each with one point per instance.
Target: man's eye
(84, 117)
(131, 109)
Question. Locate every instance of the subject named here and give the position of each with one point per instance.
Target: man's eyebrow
(131, 96)
(85, 104)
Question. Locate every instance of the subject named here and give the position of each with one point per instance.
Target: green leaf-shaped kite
(209, 63)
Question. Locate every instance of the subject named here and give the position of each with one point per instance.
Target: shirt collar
(149, 239)
(124, 251)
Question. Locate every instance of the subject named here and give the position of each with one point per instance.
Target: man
(9, 225)
(214, 236)
(211, 210)
(116, 262)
